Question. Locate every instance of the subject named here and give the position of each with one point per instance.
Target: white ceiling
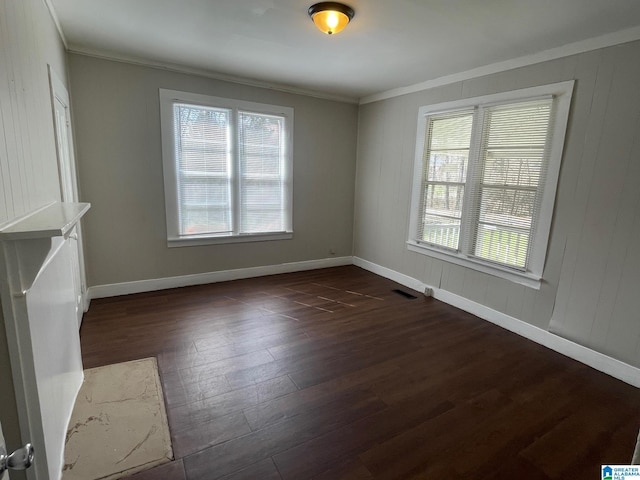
(389, 44)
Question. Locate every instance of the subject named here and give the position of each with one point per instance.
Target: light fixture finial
(330, 17)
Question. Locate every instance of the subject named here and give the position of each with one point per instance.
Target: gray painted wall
(119, 155)
(28, 165)
(592, 271)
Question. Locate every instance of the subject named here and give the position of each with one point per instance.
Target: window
(485, 180)
(227, 169)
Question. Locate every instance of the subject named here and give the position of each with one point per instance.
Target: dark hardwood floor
(331, 375)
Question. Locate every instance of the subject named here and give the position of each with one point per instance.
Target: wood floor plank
(231, 456)
(593, 424)
(193, 414)
(322, 372)
(181, 388)
(329, 374)
(351, 469)
(168, 471)
(221, 366)
(263, 470)
(300, 403)
(353, 439)
(189, 439)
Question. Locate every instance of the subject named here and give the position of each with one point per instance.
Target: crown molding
(54, 17)
(608, 40)
(211, 74)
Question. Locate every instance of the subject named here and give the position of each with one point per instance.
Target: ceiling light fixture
(330, 17)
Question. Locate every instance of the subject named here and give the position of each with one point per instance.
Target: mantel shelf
(54, 220)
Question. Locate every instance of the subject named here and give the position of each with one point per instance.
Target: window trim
(533, 276)
(167, 100)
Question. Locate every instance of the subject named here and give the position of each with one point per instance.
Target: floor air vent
(405, 294)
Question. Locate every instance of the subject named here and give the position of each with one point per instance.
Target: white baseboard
(385, 272)
(140, 286)
(615, 368)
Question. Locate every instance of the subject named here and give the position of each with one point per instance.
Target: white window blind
(486, 175)
(227, 168)
(262, 164)
(510, 177)
(446, 157)
(203, 166)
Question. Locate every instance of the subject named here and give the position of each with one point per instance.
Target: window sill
(527, 279)
(197, 240)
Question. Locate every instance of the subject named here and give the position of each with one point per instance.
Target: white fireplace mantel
(39, 308)
(53, 220)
